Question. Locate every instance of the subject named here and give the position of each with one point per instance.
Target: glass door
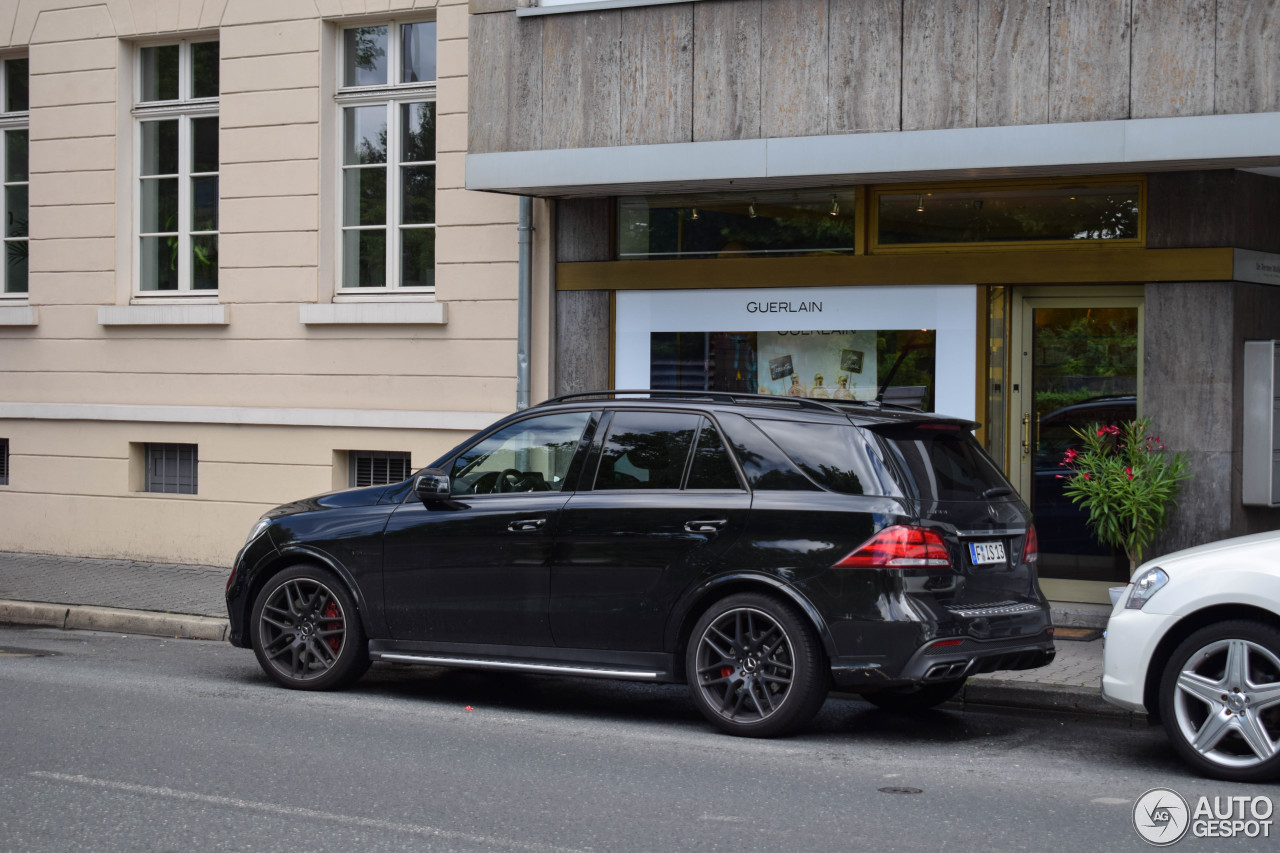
(1076, 360)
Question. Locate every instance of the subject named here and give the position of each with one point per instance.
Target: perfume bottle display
(796, 389)
(842, 391)
(817, 391)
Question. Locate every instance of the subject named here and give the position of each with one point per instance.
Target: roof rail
(733, 397)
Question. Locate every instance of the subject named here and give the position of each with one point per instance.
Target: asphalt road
(144, 744)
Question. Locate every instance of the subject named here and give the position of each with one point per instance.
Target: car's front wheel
(755, 666)
(306, 632)
(1220, 701)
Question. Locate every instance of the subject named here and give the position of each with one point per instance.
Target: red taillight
(900, 547)
(1031, 547)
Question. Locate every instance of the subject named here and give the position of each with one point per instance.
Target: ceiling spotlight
(919, 204)
(751, 209)
(835, 207)
(695, 215)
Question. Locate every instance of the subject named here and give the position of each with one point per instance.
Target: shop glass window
(177, 143)
(13, 126)
(1014, 215)
(736, 225)
(388, 181)
(891, 365)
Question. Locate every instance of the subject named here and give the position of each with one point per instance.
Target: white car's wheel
(1220, 701)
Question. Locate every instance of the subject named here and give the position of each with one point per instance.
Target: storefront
(1019, 305)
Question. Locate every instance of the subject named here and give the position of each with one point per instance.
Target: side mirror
(431, 486)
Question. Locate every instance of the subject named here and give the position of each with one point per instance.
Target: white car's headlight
(1146, 585)
(260, 526)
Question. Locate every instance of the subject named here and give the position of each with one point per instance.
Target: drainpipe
(524, 306)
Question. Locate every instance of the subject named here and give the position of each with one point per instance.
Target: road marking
(488, 841)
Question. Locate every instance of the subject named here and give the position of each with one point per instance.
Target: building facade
(1035, 215)
(241, 265)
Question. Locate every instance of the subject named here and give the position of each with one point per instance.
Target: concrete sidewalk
(171, 600)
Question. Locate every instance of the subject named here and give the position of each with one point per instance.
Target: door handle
(527, 524)
(705, 525)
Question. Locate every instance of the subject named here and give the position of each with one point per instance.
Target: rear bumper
(933, 663)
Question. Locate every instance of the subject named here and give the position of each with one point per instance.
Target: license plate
(986, 553)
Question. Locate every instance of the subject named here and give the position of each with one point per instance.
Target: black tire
(306, 632)
(755, 666)
(913, 699)
(1220, 701)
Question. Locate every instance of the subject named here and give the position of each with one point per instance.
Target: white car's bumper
(1132, 636)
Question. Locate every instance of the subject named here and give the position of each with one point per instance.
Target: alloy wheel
(303, 629)
(745, 665)
(1226, 703)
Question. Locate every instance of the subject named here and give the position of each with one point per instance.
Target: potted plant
(1127, 482)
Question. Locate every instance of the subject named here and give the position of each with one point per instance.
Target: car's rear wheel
(755, 666)
(306, 632)
(920, 698)
(1220, 701)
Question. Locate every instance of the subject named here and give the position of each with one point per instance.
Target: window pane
(365, 56)
(364, 135)
(364, 196)
(15, 211)
(419, 49)
(418, 257)
(418, 133)
(204, 69)
(159, 66)
(15, 97)
(712, 468)
(159, 268)
(646, 450)
(364, 258)
(729, 225)
(537, 451)
(159, 205)
(204, 144)
(418, 195)
(15, 161)
(204, 262)
(160, 147)
(204, 204)
(1012, 215)
(15, 278)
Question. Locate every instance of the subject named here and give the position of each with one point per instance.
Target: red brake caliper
(726, 671)
(331, 612)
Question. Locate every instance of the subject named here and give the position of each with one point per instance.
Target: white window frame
(17, 120)
(184, 109)
(392, 96)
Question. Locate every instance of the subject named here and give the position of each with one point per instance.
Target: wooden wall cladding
(747, 69)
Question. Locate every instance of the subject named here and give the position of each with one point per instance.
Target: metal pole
(524, 307)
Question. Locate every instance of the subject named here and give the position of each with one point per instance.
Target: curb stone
(89, 618)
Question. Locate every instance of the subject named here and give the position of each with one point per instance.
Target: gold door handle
(1026, 434)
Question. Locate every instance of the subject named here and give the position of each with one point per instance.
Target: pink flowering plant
(1126, 481)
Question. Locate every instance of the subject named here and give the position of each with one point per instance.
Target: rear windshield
(839, 457)
(946, 463)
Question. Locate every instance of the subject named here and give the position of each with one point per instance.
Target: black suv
(763, 549)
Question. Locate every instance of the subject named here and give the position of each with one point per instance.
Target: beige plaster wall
(68, 488)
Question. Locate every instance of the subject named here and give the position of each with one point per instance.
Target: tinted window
(531, 455)
(711, 467)
(646, 450)
(945, 463)
(839, 457)
(766, 467)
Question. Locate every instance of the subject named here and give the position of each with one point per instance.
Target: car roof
(862, 413)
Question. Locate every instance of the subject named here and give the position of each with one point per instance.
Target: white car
(1194, 640)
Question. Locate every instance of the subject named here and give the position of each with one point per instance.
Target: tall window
(387, 103)
(13, 125)
(177, 144)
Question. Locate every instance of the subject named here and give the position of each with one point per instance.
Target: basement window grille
(172, 468)
(4, 461)
(378, 467)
